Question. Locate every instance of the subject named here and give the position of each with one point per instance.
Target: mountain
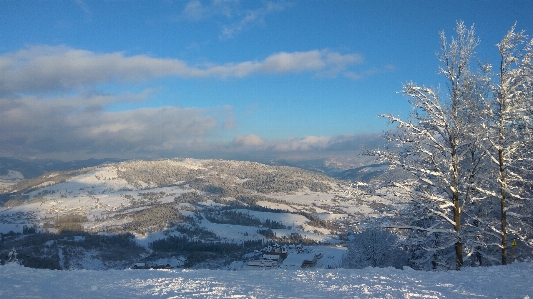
(201, 210)
(34, 168)
(358, 168)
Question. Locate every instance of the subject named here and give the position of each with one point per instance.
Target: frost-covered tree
(468, 155)
(510, 136)
(375, 247)
(439, 147)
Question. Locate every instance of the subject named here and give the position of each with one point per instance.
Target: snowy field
(512, 281)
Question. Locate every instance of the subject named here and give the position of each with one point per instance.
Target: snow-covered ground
(107, 200)
(12, 177)
(151, 199)
(511, 281)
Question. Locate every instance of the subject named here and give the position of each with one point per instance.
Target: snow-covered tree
(375, 247)
(439, 146)
(468, 155)
(510, 136)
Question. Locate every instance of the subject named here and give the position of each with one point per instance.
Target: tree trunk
(503, 203)
(456, 206)
(457, 219)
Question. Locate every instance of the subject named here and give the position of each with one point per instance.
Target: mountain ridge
(224, 201)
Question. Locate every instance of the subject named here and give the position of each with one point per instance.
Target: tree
(510, 134)
(375, 247)
(467, 153)
(439, 146)
(12, 256)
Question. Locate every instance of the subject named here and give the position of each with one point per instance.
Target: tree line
(466, 149)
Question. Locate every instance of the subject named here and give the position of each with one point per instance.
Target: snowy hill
(177, 200)
(512, 281)
(215, 214)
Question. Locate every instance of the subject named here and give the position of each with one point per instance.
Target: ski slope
(511, 281)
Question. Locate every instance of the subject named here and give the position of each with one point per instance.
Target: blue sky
(81, 79)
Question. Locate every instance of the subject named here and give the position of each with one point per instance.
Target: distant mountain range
(34, 168)
(358, 169)
(339, 171)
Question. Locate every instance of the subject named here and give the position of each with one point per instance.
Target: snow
(98, 194)
(284, 218)
(330, 257)
(511, 281)
(101, 195)
(304, 197)
(6, 228)
(146, 239)
(232, 233)
(12, 177)
(278, 206)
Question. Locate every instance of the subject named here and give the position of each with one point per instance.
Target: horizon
(213, 79)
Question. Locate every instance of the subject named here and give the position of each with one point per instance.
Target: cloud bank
(50, 105)
(44, 68)
(70, 127)
(79, 128)
(353, 142)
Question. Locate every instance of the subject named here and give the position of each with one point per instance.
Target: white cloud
(369, 72)
(341, 143)
(84, 7)
(66, 126)
(304, 144)
(45, 68)
(290, 62)
(42, 68)
(235, 17)
(79, 125)
(250, 140)
(195, 10)
(248, 18)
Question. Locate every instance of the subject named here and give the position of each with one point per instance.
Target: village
(287, 256)
(291, 257)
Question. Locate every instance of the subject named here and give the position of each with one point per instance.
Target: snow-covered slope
(104, 193)
(204, 200)
(10, 178)
(512, 281)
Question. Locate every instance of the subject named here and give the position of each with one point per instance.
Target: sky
(146, 79)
